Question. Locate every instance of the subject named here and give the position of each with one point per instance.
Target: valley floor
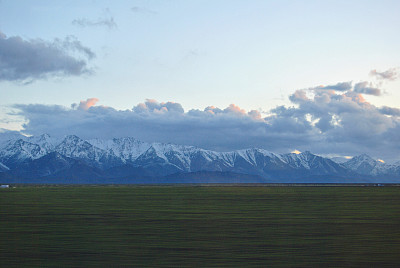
(187, 226)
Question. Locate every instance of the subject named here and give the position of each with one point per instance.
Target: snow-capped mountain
(74, 147)
(45, 157)
(313, 163)
(366, 165)
(44, 141)
(128, 149)
(18, 151)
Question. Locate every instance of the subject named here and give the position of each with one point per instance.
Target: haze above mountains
(45, 159)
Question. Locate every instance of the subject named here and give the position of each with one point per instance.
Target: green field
(157, 226)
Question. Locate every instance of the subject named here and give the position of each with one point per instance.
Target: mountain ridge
(44, 157)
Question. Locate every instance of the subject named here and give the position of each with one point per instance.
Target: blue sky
(237, 56)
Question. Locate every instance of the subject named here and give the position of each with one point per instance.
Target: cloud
(365, 88)
(234, 109)
(152, 106)
(72, 44)
(390, 111)
(391, 74)
(342, 86)
(28, 60)
(85, 105)
(298, 96)
(137, 9)
(107, 22)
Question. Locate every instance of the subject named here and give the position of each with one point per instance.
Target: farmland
(186, 226)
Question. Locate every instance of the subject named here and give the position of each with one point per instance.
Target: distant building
(4, 186)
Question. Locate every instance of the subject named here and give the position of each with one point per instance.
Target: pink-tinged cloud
(233, 108)
(85, 105)
(299, 96)
(356, 97)
(212, 110)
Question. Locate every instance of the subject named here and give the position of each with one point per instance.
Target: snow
(298, 160)
(21, 150)
(3, 167)
(128, 149)
(248, 155)
(367, 165)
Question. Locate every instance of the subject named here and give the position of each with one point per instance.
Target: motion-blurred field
(199, 226)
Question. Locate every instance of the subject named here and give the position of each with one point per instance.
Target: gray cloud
(27, 60)
(390, 111)
(342, 86)
(365, 88)
(325, 122)
(391, 74)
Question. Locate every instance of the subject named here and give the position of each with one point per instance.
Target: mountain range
(45, 159)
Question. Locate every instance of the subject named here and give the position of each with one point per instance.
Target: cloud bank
(320, 119)
(28, 60)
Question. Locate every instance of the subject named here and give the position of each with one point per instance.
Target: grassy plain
(178, 226)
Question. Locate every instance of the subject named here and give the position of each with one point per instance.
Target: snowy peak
(7, 137)
(364, 164)
(258, 157)
(75, 147)
(45, 141)
(314, 164)
(20, 150)
(362, 161)
(363, 158)
(128, 149)
(167, 154)
(301, 160)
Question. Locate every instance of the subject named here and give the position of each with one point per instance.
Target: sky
(283, 75)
